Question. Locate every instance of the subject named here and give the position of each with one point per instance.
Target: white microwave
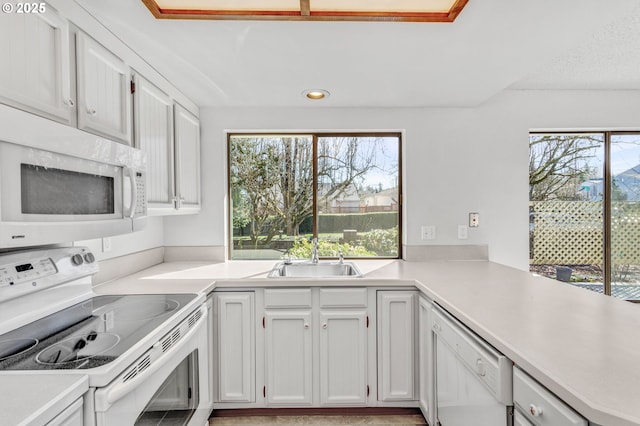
(49, 197)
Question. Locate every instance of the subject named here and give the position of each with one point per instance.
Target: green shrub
(302, 249)
(384, 242)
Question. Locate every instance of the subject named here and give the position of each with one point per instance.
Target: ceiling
(492, 45)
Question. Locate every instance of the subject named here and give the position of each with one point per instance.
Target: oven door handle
(121, 389)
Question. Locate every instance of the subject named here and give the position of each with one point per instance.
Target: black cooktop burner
(89, 334)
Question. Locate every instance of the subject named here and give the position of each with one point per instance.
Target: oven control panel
(25, 272)
(19, 272)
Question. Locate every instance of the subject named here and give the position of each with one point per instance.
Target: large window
(584, 214)
(286, 189)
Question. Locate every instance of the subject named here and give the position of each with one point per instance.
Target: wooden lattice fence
(571, 232)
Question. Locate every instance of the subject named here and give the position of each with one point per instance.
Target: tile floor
(395, 420)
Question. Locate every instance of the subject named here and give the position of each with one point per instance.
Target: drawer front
(520, 420)
(287, 298)
(343, 297)
(540, 406)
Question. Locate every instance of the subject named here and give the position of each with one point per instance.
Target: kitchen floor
(405, 420)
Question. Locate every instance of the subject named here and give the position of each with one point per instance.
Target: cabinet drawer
(548, 410)
(343, 297)
(287, 298)
(520, 420)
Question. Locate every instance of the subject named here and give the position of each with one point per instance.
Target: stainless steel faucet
(314, 251)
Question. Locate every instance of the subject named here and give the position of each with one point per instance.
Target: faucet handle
(340, 257)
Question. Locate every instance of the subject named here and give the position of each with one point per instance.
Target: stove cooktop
(88, 334)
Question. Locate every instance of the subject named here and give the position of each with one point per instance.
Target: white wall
(456, 161)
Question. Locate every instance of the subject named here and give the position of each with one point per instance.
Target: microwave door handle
(121, 389)
(134, 192)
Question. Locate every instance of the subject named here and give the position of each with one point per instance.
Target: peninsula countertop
(579, 344)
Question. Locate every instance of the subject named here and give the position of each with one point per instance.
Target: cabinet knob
(70, 103)
(92, 111)
(535, 411)
(324, 325)
(306, 326)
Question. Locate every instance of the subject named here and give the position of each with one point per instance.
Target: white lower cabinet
(425, 358)
(397, 345)
(343, 367)
(233, 340)
(535, 405)
(315, 347)
(71, 416)
(288, 358)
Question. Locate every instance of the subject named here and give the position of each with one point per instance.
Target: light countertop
(579, 344)
(35, 399)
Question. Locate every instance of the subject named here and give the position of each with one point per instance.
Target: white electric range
(146, 356)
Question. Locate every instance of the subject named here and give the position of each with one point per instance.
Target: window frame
(606, 195)
(315, 135)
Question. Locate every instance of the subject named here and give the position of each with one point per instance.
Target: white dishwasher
(473, 381)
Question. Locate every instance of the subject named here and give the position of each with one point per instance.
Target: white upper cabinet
(104, 93)
(153, 117)
(36, 64)
(187, 148)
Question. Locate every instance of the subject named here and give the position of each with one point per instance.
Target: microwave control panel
(141, 201)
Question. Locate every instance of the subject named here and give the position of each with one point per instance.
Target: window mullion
(314, 170)
(607, 214)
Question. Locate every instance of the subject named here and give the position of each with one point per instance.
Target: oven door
(169, 389)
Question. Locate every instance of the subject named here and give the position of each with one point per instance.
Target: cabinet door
(288, 340)
(425, 358)
(153, 117)
(343, 366)
(396, 345)
(104, 94)
(35, 73)
(71, 416)
(187, 140)
(234, 347)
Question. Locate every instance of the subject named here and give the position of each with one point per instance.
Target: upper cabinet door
(104, 101)
(35, 73)
(153, 115)
(187, 141)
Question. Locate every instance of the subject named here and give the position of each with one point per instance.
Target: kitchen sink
(314, 270)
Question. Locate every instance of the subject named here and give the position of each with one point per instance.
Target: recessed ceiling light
(316, 94)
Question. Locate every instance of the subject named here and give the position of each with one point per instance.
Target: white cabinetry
(316, 333)
(425, 358)
(535, 405)
(289, 358)
(36, 71)
(187, 139)
(234, 354)
(71, 416)
(343, 342)
(170, 136)
(104, 94)
(396, 345)
(153, 115)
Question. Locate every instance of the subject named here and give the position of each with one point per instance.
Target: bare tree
(273, 176)
(558, 163)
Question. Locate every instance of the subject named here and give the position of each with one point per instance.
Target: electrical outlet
(463, 232)
(474, 220)
(428, 232)
(106, 244)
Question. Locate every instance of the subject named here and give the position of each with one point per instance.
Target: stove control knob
(76, 259)
(89, 258)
